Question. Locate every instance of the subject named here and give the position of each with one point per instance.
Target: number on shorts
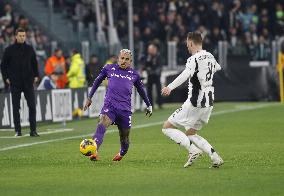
(177, 111)
(130, 121)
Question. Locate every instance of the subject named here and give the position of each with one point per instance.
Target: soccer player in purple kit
(117, 103)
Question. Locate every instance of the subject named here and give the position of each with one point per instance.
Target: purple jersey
(120, 83)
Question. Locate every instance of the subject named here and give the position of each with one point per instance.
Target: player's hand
(149, 111)
(166, 91)
(87, 104)
(8, 81)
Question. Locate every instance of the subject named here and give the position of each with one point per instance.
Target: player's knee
(167, 125)
(104, 120)
(190, 132)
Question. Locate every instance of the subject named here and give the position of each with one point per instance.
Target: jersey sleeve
(217, 67)
(98, 81)
(187, 73)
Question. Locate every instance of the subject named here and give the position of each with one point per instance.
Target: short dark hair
(57, 50)
(195, 37)
(112, 56)
(94, 56)
(19, 30)
(74, 51)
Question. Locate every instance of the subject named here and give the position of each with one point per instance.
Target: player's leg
(98, 137)
(123, 122)
(104, 123)
(180, 138)
(124, 143)
(204, 145)
(16, 97)
(170, 129)
(30, 97)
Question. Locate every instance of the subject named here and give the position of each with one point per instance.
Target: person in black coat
(20, 71)
(152, 64)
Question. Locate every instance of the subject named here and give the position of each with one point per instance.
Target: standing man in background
(76, 74)
(93, 69)
(152, 64)
(56, 62)
(20, 71)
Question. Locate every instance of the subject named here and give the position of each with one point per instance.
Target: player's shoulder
(203, 54)
(28, 46)
(189, 59)
(110, 66)
(133, 72)
(10, 47)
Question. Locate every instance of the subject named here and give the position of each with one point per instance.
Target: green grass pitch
(248, 136)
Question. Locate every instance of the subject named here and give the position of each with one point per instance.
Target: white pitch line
(134, 127)
(41, 133)
(7, 129)
(240, 109)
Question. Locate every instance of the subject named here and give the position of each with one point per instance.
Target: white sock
(180, 138)
(202, 143)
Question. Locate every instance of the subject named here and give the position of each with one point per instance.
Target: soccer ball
(88, 147)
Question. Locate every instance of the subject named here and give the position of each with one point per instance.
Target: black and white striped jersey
(199, 69)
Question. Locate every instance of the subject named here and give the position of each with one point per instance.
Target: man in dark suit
(20, 71)
(152, 64)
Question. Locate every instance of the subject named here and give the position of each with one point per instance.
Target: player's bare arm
(87, 104)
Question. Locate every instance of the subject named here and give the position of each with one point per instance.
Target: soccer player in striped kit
(196, 110)
(117, 103)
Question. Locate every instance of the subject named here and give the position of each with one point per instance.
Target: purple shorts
(121, 118)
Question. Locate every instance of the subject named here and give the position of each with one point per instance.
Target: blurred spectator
(7, 15)
(76, 73)
(160, 21)
(52, 63)
(152, 65)
(112, 59)
(214, 38)
(249, 46)
(279, 24)
(49, 82)
(262, 49)
(93, 69)
(248, 17)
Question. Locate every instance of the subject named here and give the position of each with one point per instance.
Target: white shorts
(189, 116)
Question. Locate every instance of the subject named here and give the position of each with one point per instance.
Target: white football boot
(192, 156)
(217, 161)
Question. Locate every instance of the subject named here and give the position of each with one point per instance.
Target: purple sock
(123, 148)
(98, 137)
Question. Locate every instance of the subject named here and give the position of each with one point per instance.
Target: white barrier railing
(58, 105)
